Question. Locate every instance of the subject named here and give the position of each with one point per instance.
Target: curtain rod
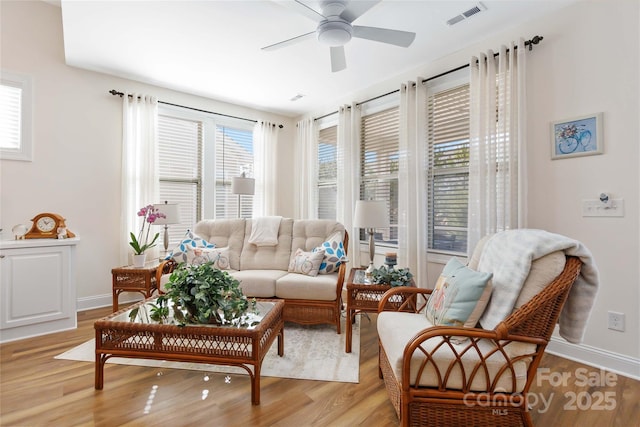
(121, 94)
(530, 43)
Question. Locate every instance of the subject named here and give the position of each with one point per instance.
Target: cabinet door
(35, 286)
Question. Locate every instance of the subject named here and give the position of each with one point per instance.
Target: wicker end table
(363, 297)
(134, 279)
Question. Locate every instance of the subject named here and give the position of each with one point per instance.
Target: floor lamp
(371, 214)
(242, 185)
(171, 216)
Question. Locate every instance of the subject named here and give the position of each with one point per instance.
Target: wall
(587, 63)
(77, 133)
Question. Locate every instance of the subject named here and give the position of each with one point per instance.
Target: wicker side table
(134, 279)
(363, 297)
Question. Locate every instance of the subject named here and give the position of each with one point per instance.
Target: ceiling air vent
(467, 14)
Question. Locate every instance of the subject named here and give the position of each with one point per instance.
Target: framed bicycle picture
(580, 136)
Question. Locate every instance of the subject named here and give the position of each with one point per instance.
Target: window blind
(234, 155)
(10, 117)
(180, 165)
(327, 172)
(379, 161)
(448, 174)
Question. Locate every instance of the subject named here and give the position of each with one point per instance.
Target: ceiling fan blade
(302, 9)
(338, 60)
(384, 35)
(289, 42)
(357, 8)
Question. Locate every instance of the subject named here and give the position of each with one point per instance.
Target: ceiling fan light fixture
(334, 33)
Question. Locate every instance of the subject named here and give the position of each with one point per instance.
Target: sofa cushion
(275, 257)
(456, 294)
(190, 240)
(299, 286)
(306, 262)
(258, 283)
(334, 254)
(396, 329)
(219, 256)
(308, 234)
(227, 233)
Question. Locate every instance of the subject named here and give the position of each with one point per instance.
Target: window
(198, 156)
(379, 161)
(327, 172)
(15, 117)
(448, 166)
(180, 163)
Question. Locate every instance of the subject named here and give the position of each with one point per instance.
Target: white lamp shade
(241, 185)
(371, 214)
(170, 211)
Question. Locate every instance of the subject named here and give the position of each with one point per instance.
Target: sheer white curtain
(412, 204)
(497, 146)
(140, 186)
(348, 173)
(265, 145)
(306, 172)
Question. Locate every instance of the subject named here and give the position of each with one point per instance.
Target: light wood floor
(38, 390)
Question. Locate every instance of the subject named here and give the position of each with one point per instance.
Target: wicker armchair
(457, 372)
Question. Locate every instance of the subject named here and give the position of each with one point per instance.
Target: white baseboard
(620, 364)
(98, 301)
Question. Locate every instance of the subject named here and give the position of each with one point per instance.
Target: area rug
(311, 352)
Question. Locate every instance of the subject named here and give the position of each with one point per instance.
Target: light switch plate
(597, 208)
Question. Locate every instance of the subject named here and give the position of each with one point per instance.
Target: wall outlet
(616, 321)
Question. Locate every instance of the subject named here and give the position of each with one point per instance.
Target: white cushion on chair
(396, 329)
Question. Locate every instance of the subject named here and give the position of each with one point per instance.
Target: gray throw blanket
(509, 254)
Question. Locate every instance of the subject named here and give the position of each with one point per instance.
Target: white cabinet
(38, 287)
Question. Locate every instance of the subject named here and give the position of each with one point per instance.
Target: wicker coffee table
(245, 347)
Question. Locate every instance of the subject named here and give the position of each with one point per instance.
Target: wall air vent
(467, 14)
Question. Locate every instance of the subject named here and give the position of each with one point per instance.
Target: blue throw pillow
(190, 241)
(334, 254)
(456, 294)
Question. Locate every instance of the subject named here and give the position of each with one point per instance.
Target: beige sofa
(263, 271)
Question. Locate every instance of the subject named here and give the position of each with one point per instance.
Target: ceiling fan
(335, 28)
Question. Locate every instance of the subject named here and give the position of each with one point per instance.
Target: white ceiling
(213, 48)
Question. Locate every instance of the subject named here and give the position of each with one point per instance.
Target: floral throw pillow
(219, 256)
(456, 294)
(306, 262)
(334, 254)
(179, 253)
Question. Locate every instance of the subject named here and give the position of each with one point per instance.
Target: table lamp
(371, 214)
(242, 185)
(171, 216)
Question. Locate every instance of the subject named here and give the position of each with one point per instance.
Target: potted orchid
(141, 243)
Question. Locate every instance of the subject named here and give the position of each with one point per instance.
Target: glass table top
(146, 313)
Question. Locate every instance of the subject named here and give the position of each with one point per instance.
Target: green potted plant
(204, 294)
(391, 276)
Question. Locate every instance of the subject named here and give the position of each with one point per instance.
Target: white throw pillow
(219, 256)
(306, 262)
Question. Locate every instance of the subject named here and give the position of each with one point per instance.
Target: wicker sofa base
(421, 409)
(312, 312)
